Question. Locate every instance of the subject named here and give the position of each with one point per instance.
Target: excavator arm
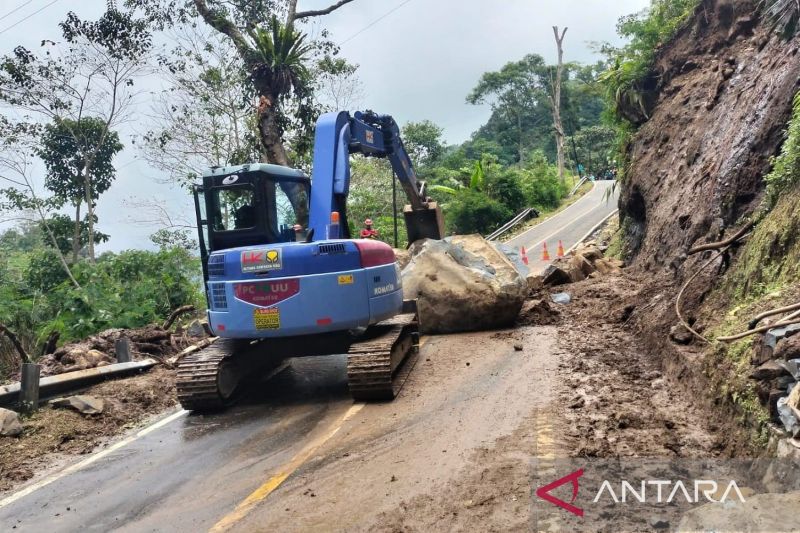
(339, 135)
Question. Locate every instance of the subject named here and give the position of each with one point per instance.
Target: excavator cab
(256, 204)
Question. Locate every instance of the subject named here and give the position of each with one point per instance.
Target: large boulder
(402, 257)
(10, 425)
(463, 283)
(81, 359)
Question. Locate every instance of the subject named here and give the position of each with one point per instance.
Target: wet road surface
(290, 457)
(464, 393)
(569, 226)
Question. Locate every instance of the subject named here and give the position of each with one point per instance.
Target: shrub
(785, 172)
(130, 289)
(474, 212)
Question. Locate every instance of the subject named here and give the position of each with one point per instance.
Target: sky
(418, 59)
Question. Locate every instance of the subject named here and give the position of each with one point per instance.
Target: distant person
(368, 232)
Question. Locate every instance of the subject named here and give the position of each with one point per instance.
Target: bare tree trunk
(270, 132)
(76, 234)
(556, 101)
(87, 188)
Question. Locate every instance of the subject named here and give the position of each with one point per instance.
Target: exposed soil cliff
(724, 98)
(696, 169)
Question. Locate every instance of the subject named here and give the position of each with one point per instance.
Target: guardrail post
(123, 348)
(29, 387)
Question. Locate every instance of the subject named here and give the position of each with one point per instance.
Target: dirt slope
(724, 98)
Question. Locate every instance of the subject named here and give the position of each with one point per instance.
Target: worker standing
(368, 232)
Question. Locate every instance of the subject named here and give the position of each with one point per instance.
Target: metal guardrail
(52, 385)
(578, 186)
(522, 216)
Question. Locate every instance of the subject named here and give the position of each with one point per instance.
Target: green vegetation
(130, 289)
(785, 172)
(508, 164)
(630, 81)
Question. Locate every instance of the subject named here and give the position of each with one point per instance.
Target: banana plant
(477, 182)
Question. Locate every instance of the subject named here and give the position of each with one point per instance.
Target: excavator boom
(337, 136)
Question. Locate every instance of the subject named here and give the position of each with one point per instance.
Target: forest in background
(246, 84)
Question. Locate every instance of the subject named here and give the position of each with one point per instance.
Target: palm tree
(277, 65)
(280, 54)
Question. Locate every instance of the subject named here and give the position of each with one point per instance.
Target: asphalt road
(333, 464)
(297, 454)
(569, 226)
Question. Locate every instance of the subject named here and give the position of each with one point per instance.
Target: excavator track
(207, 379)
(378, 366)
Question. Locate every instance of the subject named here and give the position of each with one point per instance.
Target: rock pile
(586, 261)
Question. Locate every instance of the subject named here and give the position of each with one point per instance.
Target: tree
(92, 77)
(518, 96)
(595, 146)
(276, 56)
(205, 116)
(423, 141)
(75, 152)
(63, 228)
(166, 239)
(338, 86)
(556, 101)
(20, 194)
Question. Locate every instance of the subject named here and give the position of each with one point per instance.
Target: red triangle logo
(544, 492)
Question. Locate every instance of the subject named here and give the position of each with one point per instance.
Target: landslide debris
(463, 283)
(98, 350)
(695, 175)
(52, 434)
(726, 83)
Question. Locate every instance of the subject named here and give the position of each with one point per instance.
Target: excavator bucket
(425, 223)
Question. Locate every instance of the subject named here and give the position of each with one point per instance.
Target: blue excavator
(284, 278)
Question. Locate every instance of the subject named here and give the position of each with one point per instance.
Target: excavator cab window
(233, 208)
(251, 209)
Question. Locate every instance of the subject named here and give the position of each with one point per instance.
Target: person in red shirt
(368, 232)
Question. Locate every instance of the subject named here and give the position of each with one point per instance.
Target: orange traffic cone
(524, 255)
(560, 249)
(545, 253)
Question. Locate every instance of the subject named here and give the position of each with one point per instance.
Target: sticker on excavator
(267, 318)
(266, 293)
(256, 261)
(346, 279)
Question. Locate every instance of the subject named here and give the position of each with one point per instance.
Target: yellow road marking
(545, 446)
(261, 493)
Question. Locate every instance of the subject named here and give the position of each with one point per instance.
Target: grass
(765, 275)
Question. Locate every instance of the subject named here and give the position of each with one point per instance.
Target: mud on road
(458, 448)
